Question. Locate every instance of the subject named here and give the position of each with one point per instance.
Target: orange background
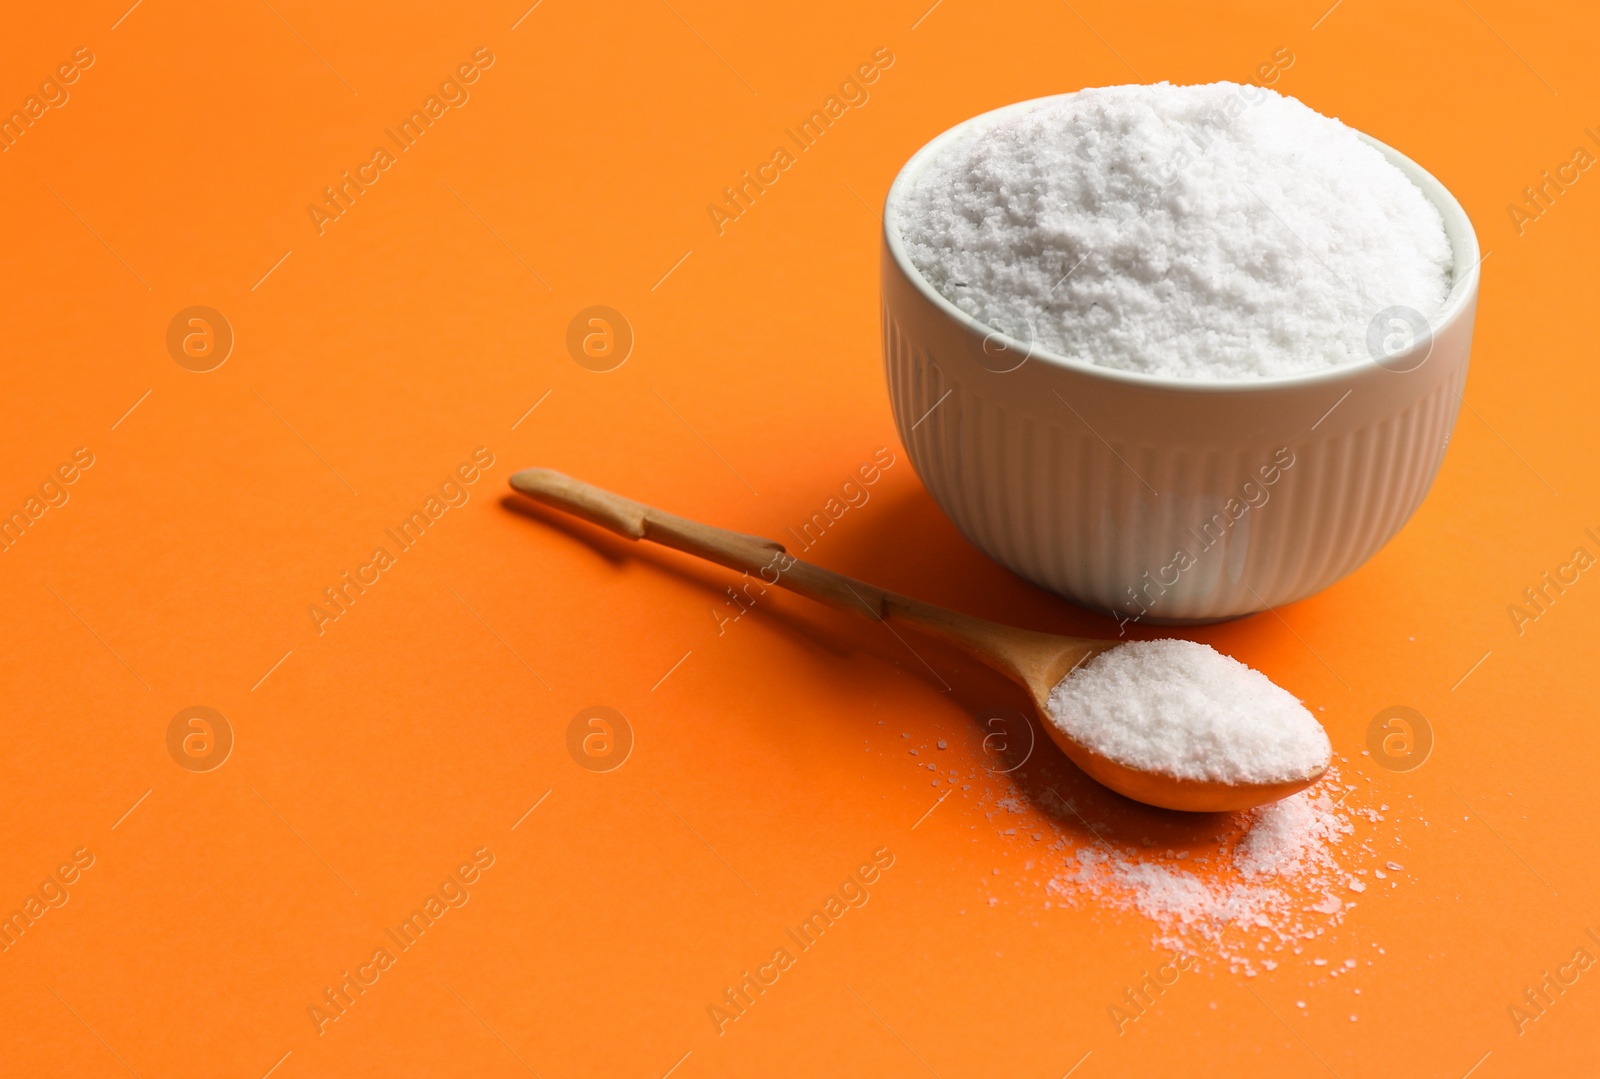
(373, 758)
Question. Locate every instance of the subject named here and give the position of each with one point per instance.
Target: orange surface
(374, 756)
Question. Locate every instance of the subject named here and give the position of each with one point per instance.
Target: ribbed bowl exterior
(1092, 488)
(1164, 501)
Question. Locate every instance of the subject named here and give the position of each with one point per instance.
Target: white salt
(1183, 709)
(1287, 837)
(1206, 232)
(1272, 888)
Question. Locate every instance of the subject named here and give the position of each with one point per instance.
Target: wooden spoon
(1035, 661)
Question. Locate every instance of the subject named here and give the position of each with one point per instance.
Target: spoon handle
(1009, 650)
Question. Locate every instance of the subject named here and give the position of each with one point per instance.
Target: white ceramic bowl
(1160, 499)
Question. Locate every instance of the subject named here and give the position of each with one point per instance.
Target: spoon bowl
(1035, 661)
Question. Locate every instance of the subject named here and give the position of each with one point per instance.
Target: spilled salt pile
(1288, 838)
(1271, 891)
(1206, 232)
(1184, 709)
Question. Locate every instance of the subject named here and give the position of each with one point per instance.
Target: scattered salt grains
(1290, 836)
(1270, 887)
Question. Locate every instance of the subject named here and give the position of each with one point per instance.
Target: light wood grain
(1036, 661)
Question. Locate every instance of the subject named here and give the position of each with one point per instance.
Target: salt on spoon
(1180, 702)
(1185, 709)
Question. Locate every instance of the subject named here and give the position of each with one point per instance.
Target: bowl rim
(1463, 240)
